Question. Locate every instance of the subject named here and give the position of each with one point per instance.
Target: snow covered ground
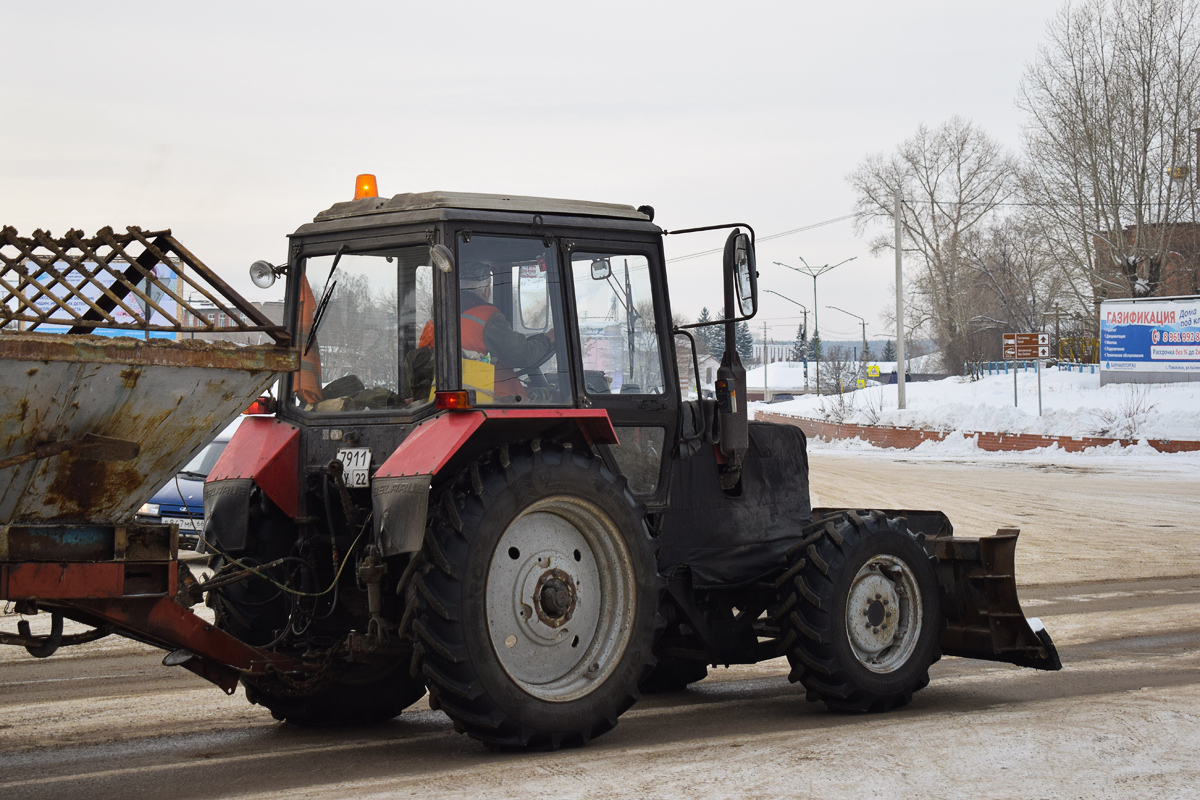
(1073, 404)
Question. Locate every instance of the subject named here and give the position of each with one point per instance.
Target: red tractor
(483, 480)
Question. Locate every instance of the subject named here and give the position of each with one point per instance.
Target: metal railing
(977, 369)
(134, 281)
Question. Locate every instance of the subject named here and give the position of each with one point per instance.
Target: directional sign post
(1027, 346)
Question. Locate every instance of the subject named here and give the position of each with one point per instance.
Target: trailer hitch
(46, 646)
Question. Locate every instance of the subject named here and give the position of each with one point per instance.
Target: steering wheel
(532, 367)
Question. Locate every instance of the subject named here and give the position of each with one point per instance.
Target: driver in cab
(487, 336)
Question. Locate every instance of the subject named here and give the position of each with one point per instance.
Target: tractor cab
(404, 307)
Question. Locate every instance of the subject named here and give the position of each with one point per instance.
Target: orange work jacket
(308, 379)
(473, 321)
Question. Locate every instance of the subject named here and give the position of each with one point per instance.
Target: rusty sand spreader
(104, 395)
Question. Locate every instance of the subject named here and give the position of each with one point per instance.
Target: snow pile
(1073, 404)
(784, 376)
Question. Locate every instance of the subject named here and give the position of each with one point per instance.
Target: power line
(1007, 204)
(772, 236)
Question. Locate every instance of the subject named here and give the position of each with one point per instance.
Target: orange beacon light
(364, 186)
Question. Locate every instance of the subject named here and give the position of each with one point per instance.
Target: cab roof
(470, 201)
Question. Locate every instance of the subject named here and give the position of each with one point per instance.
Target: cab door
(622, 332)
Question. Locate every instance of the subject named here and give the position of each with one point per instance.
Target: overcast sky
(234, 123)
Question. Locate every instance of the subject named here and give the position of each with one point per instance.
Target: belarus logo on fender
(1155, 336)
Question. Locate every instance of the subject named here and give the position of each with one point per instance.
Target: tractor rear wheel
(862, 600)
(537, 606)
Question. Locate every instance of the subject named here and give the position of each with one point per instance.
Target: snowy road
(1110, 560)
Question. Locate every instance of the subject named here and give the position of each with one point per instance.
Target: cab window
(509, 300)
(618, 336)
(364, 355)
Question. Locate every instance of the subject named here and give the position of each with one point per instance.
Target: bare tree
(1012, 281)
(952, 179)
(1111, 100)
(839, 371)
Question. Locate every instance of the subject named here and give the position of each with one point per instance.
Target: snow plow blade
(983, 616)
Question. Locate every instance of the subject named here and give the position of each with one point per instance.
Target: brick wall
(908, 438)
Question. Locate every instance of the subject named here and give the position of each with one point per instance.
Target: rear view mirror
(601, 269)
(739, 264)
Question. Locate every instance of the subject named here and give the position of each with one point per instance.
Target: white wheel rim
(560, 598)
(884, 614)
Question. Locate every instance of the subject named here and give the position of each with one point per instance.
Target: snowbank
(1073, 404)
(789, 375)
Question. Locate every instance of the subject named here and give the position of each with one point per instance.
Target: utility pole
(901, 362)
(804, 327)
(816, 272)
(863, 361)
(1057, 336)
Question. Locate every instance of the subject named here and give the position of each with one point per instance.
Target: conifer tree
(800, 348)
(744, 341)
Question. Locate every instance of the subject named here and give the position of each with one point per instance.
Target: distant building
(272, 309)
(1176, 273)
(774, 350)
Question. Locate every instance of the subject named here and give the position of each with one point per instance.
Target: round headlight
(263, 274)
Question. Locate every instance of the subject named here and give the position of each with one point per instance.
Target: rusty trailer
(103, 397)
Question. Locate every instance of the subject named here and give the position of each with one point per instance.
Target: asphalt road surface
(1109, 561)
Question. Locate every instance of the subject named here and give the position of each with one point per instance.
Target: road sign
(873, 371)
(1026, 345)
(862, 384)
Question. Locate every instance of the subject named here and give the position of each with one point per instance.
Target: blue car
(181, 500)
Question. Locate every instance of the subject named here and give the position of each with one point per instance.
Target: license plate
(185, 523)
(356, 461)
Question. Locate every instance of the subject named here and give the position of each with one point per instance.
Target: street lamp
(863, 358)
(816, 272)
(803, 308)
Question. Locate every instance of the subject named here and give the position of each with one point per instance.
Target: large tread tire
(512, 689)
(831, 584)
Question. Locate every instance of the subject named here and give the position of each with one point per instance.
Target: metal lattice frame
(111, 273)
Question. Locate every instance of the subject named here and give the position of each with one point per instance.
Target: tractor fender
(265, 453)
(401, 486)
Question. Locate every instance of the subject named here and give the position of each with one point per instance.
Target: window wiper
(325, 295)
(192, 475)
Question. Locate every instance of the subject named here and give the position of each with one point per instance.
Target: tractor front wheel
(863, 611)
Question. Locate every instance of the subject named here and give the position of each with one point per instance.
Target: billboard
(87, 286)
(1143, 336)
